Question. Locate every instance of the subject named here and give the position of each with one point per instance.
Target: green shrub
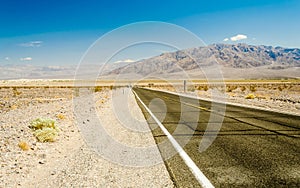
(46, 134)
(44, 129)
(41, 123)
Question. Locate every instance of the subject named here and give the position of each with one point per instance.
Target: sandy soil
(69, 161)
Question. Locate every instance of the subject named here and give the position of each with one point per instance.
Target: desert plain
(68, 161)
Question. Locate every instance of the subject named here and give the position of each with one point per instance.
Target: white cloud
(129, 61)
(226, 39)
(32, 44)
(125, 61)
(238, 37)
(53, 68)
(7, 58)
(26, 58)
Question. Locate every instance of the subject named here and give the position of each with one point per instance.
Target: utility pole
(184, 86)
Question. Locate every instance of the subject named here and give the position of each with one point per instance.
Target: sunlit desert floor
(68, 161)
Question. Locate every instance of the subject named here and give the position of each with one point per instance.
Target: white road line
(202, 179)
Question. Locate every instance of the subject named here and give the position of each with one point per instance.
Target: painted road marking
(201, 178)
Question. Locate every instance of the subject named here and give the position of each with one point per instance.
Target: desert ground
(68, 161)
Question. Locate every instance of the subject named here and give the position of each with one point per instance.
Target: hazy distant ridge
(237, 56)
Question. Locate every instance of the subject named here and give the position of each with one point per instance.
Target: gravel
(69, 161)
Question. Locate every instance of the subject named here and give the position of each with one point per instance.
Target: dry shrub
(13, 107)
(252, 88)
(23, 145)
(230, 88)
(250, 96)
(98, 89)
(60, 116)
(243, 88)
(150, 84)
(44, 129)
(204, 87)
(16, 92)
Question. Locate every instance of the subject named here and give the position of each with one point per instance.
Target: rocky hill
(229, 56)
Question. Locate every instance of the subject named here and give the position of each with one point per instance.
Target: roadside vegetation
(44, 129)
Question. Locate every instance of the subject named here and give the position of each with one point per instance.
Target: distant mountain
(229, 56)
(237, 61)
(27, 71)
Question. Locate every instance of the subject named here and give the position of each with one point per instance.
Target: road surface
(253, 148)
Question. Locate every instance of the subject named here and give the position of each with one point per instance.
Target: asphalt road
(253, 148)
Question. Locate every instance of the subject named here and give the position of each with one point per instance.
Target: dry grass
(60, 116)
(24, 146)
(250, 96)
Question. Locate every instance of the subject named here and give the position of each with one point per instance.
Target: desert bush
(243, 88)
(250, 96)
(23, 145)
(150, 84)
(204, 87)
(44, 129)
(252, 88)
(46, 134)
(16, 92)
(41, 123)
(60, 116)
(230, 88)
(98, 89)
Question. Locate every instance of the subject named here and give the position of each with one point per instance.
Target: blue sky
(52, 32)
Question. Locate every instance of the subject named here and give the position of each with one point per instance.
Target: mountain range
(234, 59)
